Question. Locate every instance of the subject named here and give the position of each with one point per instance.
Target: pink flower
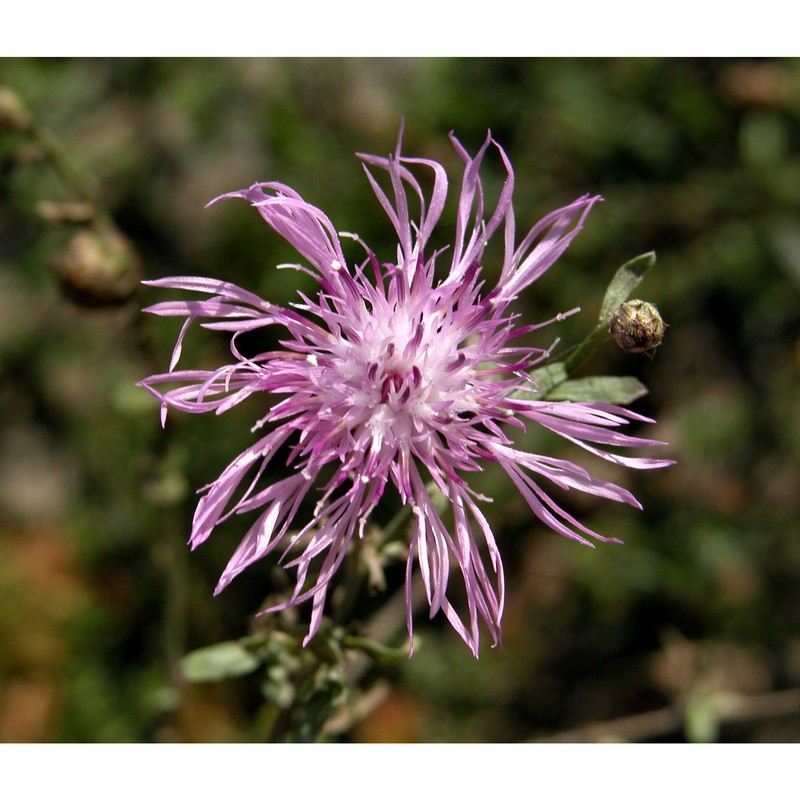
(390, 377)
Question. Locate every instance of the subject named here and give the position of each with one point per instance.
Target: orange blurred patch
(41, 591)
(397, 720)
(28, 710)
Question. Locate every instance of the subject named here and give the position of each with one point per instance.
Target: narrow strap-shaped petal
(556, 230)
(303, 225)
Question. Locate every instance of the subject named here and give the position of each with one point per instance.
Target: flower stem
(580, 354)
(351, 584)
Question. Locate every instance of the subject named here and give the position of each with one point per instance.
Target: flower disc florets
(388, 375)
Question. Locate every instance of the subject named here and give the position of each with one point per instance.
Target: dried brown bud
(637, 327)
(13, 114)
(79, 212)
(98, 268)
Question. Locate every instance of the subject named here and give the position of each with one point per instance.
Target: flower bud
(98, 268)
(637, 327)
(13, 114)
(78, 212)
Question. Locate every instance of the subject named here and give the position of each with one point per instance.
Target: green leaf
(218, 662)
(601, 389)
(546, 378)
(626, 279)
(318, 698)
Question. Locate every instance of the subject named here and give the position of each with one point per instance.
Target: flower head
(389, 376)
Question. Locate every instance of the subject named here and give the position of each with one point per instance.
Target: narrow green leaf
(626, 279)
(218, 662)
(545, 378)
(606, 389)
(548, 376)
(318, 697)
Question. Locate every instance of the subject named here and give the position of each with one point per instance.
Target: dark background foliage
(689, 631)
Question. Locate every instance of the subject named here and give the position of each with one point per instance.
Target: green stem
(176, 601)
(580, 354)
(73, 179)
(55, 153)
(394, 525)
(352, 583)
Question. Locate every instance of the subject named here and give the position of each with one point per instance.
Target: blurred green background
(690, 631)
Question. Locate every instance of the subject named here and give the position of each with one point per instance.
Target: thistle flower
(395, 379)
